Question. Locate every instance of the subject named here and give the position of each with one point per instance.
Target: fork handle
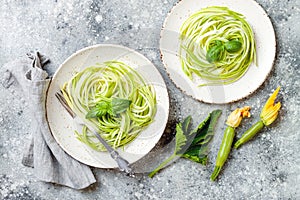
(122, 163)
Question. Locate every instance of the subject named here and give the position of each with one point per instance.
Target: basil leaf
(101, 109)
(103, 105)
(119, 105)
(92, 113)
(218, 43)
(214, 53)
(233, 46)
(114, 107)
(95, 112)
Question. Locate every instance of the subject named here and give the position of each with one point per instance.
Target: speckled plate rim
(61, 124)
(250, 82)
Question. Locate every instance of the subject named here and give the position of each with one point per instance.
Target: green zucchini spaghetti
(216, 44)
(114, 99)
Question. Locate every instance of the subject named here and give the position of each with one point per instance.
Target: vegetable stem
(249, 134)
(215, 173)
(161, 165)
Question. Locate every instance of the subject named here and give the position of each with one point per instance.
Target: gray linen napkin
(50, 162)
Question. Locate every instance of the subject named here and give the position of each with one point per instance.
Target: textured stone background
(266, 168)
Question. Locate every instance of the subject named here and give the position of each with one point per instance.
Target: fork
(123, 164)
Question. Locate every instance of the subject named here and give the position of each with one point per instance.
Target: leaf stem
(163, 164)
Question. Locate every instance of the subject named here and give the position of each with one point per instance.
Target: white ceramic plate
(254, 77)
(62, 126)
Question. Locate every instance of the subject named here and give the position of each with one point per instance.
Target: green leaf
(202, 136)
(181, 139)
(192, 145)
(103, 105)
(218, 43)
(113, 107)
(119, 105)
(95, 112)
(193, 156)
(92, 113)
(181, 135)
(233, 46)
(215, 52)
(101, 109)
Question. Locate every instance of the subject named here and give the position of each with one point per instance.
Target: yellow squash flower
(235, 118)
(270, 111)
(267, 116)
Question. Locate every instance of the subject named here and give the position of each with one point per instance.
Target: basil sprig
(216, 51)
(113, 107)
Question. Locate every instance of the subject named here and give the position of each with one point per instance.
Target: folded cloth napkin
(50, 162)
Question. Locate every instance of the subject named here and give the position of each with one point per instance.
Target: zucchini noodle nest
(102, 82)
(201, 31)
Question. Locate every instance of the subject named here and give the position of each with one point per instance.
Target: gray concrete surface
(266, 168)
